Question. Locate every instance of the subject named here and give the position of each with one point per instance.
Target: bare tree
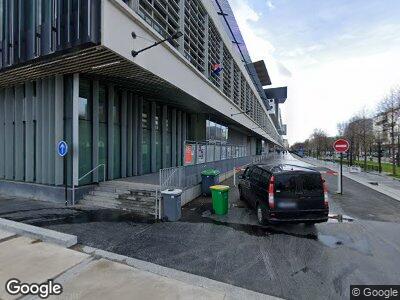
(390, 106)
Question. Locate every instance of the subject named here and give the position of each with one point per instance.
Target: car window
(256, 174)
(311, 184)
(247, 172)
(288, 185)
(285, 185)
(265, 176)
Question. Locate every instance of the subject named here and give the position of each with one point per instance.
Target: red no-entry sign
(341, 145)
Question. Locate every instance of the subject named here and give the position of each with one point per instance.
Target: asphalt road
(290, 261)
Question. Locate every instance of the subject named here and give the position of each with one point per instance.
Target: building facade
(67, 73)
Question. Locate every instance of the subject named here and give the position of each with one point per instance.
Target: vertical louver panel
(34, 28)
(227, 73)
(236, 84)
(162, 15)
(214, 52)
(194, 33)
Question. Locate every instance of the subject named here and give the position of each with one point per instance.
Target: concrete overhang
(160, 73)
(279, 94)
(262, 72)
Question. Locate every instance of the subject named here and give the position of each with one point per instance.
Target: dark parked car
(285, 193)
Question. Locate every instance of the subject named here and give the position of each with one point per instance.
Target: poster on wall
(201, 154)
(189, 154)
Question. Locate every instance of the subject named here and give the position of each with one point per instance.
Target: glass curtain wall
(168, 148)
(117, 134)
(158, 128)
(146, 138)
(85, 130)
(103, 142)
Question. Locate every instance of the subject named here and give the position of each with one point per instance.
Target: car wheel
(261, 214)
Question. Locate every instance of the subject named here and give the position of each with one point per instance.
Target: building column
(179, 138)
(9, 133)
(164, 134)
(44, 101)
(52, 141)
(129, 160)
(39, 121)
(29, 133)
(124, 124)
(110, 132)
(95, 130)
(19, 171)
(135, 134)
(58, 127)
(153, 154)
(2, 134)
(75, 129)
(173, 138)
(139, 135)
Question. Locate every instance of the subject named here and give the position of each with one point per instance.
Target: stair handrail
(94, 169)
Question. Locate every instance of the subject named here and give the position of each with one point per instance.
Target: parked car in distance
(282, 193)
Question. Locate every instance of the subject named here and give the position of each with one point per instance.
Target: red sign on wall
(188, 154)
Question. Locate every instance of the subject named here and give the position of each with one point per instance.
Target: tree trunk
(379, 156)
(393, 150)
(398, 150)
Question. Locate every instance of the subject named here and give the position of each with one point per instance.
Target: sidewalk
(378, 182)
(95, 274)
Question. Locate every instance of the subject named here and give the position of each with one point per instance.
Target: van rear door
(298, 190)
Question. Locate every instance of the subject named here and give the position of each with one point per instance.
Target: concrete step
(104, 194)
(140, 199)
(111, 189)
(128, 185)
(136, 209)
(118, 203)
(100, 198)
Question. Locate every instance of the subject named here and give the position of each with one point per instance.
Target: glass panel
(158, 137)
(146, 138)
(85, 131)
(117, 134)
(103, 142)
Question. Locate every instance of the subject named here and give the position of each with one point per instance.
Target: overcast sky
(336, 56)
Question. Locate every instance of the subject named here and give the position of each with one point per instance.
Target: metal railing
(168, 178)
(94, 169)
(91, 171)
(183, 177)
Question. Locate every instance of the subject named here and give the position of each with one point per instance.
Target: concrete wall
(118, 23)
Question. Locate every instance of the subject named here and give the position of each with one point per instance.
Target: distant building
(275, 97)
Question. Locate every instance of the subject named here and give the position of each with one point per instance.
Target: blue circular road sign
(62, 148)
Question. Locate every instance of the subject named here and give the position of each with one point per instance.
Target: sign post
(62, 150)
(341, 146)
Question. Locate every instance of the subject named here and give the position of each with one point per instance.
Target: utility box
(171, 205)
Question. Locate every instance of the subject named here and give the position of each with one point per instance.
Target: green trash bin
(209, 177)
(220, 196)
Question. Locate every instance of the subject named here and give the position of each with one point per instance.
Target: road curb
(46, 235)
(230, 291)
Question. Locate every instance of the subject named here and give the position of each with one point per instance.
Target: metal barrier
(184, 177)
(168, 178)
